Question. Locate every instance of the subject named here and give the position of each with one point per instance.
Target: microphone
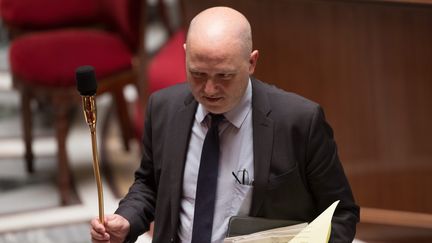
(87, 86)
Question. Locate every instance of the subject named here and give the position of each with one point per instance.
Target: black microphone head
(86, 80)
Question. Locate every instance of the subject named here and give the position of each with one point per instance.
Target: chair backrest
(126, 16)
(122, 16)
(45, 14)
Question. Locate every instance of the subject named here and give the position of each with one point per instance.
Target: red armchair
(167, 66)
(43, 62)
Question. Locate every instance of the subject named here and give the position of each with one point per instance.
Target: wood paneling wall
(369, 64)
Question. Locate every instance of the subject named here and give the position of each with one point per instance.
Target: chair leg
(64, 173)
(124, 118)
(26, 116)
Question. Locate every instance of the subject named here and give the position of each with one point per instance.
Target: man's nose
(210, 87)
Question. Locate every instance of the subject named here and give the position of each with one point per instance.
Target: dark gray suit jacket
(297, 170)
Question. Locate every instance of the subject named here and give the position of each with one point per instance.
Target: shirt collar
(237, 115)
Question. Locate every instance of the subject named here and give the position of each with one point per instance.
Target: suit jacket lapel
(262, 143)
(177, 147)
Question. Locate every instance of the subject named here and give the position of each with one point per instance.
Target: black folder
(241, 225)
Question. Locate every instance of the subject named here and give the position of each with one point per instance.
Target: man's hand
(115, 230)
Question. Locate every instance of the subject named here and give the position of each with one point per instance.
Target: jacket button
(172, 239)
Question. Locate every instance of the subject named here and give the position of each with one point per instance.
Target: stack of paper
(283, 234)
(318, 231)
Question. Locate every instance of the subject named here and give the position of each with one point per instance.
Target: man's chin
(215, 109)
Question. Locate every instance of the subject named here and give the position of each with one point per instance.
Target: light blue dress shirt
(236, 155)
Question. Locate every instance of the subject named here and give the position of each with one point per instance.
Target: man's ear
(253, 59)
(184, 46)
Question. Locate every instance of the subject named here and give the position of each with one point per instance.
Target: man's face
(218, 76)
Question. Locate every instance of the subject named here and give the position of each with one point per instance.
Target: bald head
(221, 26)
(219, 58)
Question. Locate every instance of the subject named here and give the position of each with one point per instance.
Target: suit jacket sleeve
(327, 180)
(138, 205)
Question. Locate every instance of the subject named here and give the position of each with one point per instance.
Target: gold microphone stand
(89, 108)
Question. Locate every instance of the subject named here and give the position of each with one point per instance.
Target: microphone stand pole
(89, 108)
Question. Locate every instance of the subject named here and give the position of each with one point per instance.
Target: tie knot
(216, 119)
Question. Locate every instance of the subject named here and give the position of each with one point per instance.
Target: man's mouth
(212, 99)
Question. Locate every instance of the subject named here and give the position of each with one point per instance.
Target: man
(277, 157)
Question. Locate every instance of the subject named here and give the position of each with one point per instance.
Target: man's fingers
(99, 236)
(99, 241)
(97, 226)
(98, 231)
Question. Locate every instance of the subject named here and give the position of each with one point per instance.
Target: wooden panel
(368, 63)
(398, 218)
(379, 233)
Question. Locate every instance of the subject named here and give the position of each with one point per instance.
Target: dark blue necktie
(206, 184)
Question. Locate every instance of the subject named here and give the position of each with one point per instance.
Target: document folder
(239, 225)
(262, 230)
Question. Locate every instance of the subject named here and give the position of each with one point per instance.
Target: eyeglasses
(242, 177)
